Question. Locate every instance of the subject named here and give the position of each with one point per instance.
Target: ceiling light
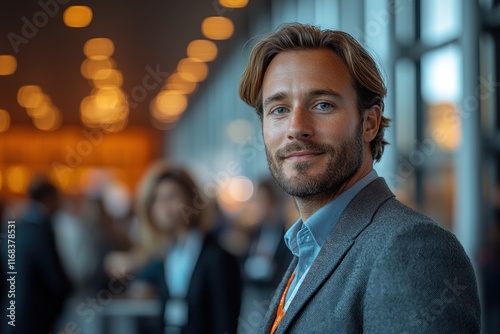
(177, 83)
(99, 48)
(29, 96)
(192, 70)
(77, 16)
(4, 120)
(170, 104)
(233, 3)
(8, 64)
(217, 27)
(202, 49)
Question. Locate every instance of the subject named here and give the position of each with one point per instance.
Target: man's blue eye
(323, 105)
(279, 110)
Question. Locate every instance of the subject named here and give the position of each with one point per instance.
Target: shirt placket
(305, 243)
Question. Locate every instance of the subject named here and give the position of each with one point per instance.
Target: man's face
(311, 123)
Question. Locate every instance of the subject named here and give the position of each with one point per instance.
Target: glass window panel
(488, 84)
(404, 15)
(405, 115)
(283, 11)
(439, 191)
(442, 75)
(377, 18)
(327, 14)
(306, 11)
(441, 92)
(440, 20)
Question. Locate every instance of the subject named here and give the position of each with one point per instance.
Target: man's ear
(371, 123)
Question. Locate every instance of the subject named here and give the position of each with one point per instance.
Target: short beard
(341, 166)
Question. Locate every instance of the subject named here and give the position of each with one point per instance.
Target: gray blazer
(385, 268)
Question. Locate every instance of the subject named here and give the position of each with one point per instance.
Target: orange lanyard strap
(280, 313)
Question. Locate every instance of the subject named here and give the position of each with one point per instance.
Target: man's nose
(300, 124)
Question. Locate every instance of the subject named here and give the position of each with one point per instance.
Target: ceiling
(149, 35)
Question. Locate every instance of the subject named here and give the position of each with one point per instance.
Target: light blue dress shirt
(305, 239)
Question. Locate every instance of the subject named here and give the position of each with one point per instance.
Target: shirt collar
(321, 223)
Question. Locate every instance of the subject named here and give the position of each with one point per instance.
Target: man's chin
(302, 170)
(298, 184)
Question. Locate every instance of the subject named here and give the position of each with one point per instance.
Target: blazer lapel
(352, 222)
(268, 321)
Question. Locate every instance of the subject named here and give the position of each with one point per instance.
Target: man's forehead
(308, 71)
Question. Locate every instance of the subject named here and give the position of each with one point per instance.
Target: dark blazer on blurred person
(213, 296)
(41, 283)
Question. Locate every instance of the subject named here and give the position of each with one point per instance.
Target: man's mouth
(302, 156)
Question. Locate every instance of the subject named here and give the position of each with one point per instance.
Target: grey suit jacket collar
(355, 218)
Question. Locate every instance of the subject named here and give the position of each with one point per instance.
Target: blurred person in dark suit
(267, 258)
(41, 283)
(198, 282)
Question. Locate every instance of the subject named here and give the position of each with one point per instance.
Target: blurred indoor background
(93, 92)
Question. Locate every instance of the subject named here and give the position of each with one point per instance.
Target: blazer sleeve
(422, 282)
(38, 250)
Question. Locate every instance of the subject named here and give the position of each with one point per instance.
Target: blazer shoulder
(418, 271)
(394, 217)
(398, 228)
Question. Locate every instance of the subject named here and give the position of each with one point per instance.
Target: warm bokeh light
(77, 16)
(176, 83)
(192, 70)
(30, 96)
(40, 111)
(444, 125)
(4, 120)
(17, 179)
(202, 49)
(49, 122)
(105, 108)
(233, 3)
(240, 188)
(107, 77)
(217, 28)
(8, 64)
(233, 192)
(169, 104)
(109, 97)
(99, 48)
(61, 180)
(91, 67)
(239, 130)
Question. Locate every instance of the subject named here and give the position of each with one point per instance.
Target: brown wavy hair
(152, 239)
(366, 77)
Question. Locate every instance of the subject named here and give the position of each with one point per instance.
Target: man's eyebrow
(314, 93)
(320, 92)
(275, 97)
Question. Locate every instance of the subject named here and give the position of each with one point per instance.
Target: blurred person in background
(198, 282)
(75, 241)
(267, 257)
(108, 237)
(42, 285)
